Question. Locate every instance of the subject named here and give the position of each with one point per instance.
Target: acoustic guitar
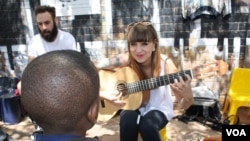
(126, 82)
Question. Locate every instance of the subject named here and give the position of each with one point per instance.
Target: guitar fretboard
(152, 83)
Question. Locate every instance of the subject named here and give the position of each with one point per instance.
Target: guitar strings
(151, 83)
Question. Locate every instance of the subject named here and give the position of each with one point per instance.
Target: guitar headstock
(214, 68)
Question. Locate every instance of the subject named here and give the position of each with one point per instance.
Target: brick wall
(12, 28)
(103, 35)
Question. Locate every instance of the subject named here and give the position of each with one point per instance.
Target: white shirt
(160, 99)
(63, 41)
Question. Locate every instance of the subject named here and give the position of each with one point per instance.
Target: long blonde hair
(143, 31)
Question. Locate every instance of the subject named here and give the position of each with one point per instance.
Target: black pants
(148, 126)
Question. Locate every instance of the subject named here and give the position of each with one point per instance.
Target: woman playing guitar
(156, 107)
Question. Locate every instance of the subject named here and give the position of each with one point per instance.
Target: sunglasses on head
(146, 23)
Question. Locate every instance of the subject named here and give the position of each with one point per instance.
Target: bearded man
(50, 38)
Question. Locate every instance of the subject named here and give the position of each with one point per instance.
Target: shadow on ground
(176, 130)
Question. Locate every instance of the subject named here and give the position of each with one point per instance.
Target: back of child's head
(58, 88)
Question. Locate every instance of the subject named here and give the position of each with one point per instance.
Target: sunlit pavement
(176, 130)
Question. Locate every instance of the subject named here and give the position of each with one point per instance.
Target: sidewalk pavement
(109, 131)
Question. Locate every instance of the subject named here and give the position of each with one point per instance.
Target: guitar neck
(152, 83)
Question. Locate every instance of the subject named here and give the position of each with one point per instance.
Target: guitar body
(127, 79)
(109, 79)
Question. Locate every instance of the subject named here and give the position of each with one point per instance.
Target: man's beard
(49, 36)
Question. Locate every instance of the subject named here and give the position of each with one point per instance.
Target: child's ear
(93, 112)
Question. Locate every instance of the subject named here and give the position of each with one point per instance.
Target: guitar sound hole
(122, 88)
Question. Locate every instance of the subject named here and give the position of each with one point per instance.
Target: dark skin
(52, 92)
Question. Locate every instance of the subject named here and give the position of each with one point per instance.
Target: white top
(63, 41)
(160, 99)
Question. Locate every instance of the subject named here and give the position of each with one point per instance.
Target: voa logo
(236, 132)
